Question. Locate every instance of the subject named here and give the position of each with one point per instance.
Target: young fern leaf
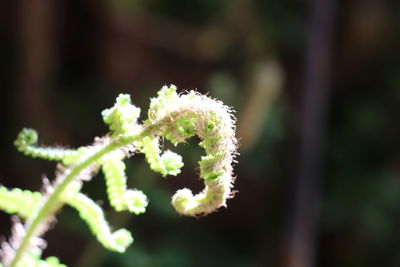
(21, 202)
(185, 116)
(93, 215)
(120, 198)
(170, 116)
(169, 163)
(122, 117)
(28, 138)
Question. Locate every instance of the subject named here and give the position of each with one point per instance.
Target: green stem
(51, 202)
(50, 205)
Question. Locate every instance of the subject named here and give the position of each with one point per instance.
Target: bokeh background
(316, 87)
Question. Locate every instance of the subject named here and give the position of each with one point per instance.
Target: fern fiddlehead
(194, 114)
(170, 116)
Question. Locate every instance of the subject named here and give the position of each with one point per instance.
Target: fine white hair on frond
(188, 114)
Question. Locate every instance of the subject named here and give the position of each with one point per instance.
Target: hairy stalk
(49, 205)
(52, 200)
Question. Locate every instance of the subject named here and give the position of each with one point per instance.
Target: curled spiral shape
(183, 116)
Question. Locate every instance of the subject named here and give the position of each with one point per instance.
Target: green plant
(170, 116)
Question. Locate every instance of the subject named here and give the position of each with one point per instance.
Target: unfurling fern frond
(172, 117)
(213, 123)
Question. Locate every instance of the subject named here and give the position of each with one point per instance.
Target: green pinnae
(172, 117)
(122, 117)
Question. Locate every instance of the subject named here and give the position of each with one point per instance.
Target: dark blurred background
(316, 87)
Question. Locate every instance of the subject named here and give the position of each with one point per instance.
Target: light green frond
(28, 138)
(90, 212)
(120, 198)
(122, 117)
(21, 202)
(160, 106)
(168, 163)
(136, 201)
(114, 173)
(76, 157)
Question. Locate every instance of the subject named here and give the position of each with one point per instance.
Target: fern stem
(51, 204)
